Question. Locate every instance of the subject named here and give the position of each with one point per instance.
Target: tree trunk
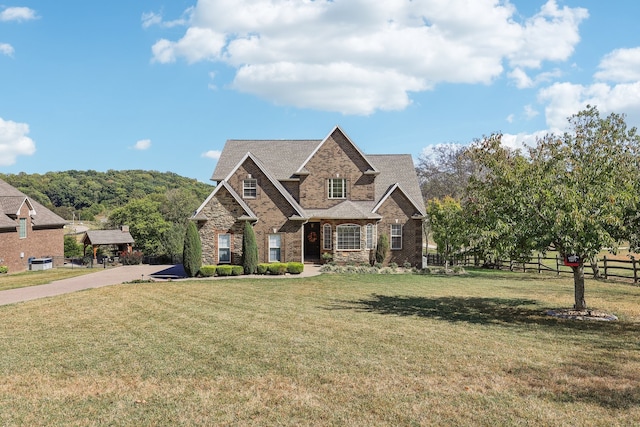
(578, 284)
(595, 268)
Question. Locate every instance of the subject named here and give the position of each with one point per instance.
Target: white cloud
(212, 154)
(143, 144)
(18, 14)
(14, 141)
(360, 56)
(198, 44)
(620, 66)
(530, 112)
(621, 96)
(550, 35)
(150, 19)
(6, 49)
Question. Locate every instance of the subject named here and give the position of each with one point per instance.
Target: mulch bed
(583, 315)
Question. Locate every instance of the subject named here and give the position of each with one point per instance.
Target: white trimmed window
(23, 228)
(337, 188)
(274, 248)
(396, 236)
(249, 188)
(326, 237)
(224, 248)
(348, 237)
(371, 236)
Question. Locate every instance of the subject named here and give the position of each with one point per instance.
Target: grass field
(387, 350)
(32, 278)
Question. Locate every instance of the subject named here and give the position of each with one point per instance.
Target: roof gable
(397, 187)
(198, 214)
(336, 130)
(288, 197)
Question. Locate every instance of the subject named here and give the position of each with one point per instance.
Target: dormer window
(249, 188)
(337, 188)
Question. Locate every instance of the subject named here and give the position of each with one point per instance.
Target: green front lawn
(331, 350)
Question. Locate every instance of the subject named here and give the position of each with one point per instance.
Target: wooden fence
(607, 267)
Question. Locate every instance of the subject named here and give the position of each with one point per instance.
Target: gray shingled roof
(107, 237)
(283, 158)
(345, 210)
(397, 169)
(10, 201)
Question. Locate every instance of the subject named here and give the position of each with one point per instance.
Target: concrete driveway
(114, 276)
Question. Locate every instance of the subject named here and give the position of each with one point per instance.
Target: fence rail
(605, 267)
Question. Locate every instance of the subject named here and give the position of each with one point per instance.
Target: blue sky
(161, 85)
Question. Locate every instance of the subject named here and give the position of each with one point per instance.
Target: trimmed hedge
(237, 270)
(277, 268)
(208, 270)
(224, 270)
(4, 269)
(295, 267)
(263, 268)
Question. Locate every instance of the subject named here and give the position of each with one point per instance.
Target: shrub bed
(224, 270)
(277, 268)
(263, 268)
(295, 267)
(208, 270)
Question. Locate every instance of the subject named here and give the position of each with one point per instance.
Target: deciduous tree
(576, 192)
(447, 226)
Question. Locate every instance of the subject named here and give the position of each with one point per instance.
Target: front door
(312, 241)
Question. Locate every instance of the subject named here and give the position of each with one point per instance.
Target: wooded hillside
(90, 193)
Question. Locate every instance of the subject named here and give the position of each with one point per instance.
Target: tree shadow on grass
(499, 311)
(583, 379)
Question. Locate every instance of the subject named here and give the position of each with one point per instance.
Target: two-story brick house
(309, 197)
(27, 230)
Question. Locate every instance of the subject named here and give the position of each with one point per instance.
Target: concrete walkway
(115, 276)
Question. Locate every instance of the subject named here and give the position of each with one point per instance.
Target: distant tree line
(87, 194)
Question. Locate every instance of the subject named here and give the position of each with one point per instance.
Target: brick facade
(288, 196)
(336, 158)
(38, 243)
(398, 209)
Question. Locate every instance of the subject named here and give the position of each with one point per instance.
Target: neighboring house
(28, 230)
(306, 198)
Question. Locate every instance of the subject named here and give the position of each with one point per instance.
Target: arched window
(326, 237)
(348, 237)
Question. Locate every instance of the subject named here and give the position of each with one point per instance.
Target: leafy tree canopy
(576, 192)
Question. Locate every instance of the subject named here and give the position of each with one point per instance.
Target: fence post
(539, 263)
(635, 270)
(558, 265)
(605, 267)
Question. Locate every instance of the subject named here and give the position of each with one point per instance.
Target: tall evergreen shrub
(382, 250)
(249, 250)
(192, 252)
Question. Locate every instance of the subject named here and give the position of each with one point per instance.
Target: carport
(120, 238)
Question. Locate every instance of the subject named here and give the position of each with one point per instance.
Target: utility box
(40, 264)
